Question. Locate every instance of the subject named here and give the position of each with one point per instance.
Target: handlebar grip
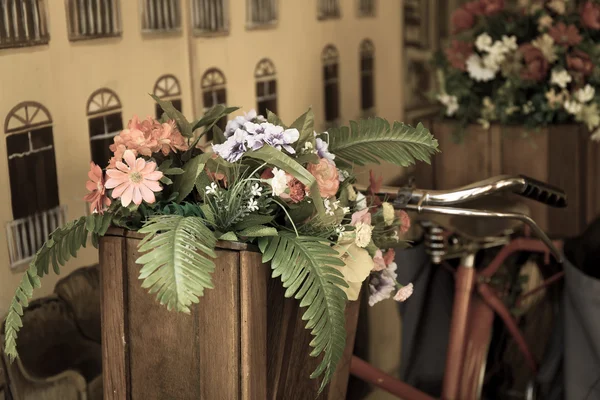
(543, 192)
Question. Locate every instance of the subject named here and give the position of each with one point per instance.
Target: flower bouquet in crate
(532, 63)
(285, 188)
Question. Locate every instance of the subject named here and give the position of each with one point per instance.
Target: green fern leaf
(176, 265)
(63, 243)
(371, 140)
(305, 265)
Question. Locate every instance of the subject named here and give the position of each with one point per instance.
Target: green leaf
(306, 126)
(280, 160)
(229, 236)
(305, 265)
(165, 180)
(258, 231)
(218, 135)
(214, 114)
(185, 182)
(371, 140)
(63, 243)
(184, 126)
(173, 171)
(274, 119)
(307, 158)
(253, 220)
(176, 264)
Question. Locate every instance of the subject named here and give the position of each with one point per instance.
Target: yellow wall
(63, 74)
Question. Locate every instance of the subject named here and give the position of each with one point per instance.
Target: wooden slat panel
(254, 276)
(592, 195)
(164, 345)
(219, 332)
(527, 155)
(459, 164)
(115, 370)
(566, 160)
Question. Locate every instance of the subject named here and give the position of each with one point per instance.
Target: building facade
(74, 72)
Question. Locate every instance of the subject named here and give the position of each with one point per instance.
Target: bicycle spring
(435, 243)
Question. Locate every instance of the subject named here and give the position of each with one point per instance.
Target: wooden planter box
(244, 340)
(561, 155)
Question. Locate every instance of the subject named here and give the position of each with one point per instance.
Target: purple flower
(234, 147)
(279, 138)
(382, 284)
(239, 121)
(322, 149)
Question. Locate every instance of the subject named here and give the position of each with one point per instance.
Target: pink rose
(378, 261)
(389, 257)
(491, 7)
(462, 20)
(296, 188)
(404, 221)
(361, 216)
(326, 175)
(590, 15)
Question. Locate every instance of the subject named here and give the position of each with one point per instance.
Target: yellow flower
(363, 234)
(589, 116)
(358, 267)
(545, 44)
(545, 22)
(388, 213)
(555, 99)
(351, 193)
(558, 6)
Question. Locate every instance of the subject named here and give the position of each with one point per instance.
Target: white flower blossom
(339, 230)
(528, 108)
(279, 182)
(560, 78)
(451, 103)
(346, 210)
(252, 205)
(363, 234)
(212, 189)
(585, 94)
(256, 190)
(336, 204)
(510, 42)
(328, 209)
(478, 71)
(404, 293)
(361, 201)
(483, 42)
(573, 107)
(596, 136)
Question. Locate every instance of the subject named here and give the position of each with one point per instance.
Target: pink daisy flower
(404, 293)
(135, 181)
(97, 197)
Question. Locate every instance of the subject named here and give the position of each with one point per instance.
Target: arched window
(23, 23)
(214, 91)
(266, 87)
(105, 122)
(167, 88)
(331, 59)
(33, 180)
(367, 76)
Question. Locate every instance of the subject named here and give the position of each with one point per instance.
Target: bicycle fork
(465, 283)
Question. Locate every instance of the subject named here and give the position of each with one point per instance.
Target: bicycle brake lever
(489, 214)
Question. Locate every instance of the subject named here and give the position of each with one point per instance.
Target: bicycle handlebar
(521, 185)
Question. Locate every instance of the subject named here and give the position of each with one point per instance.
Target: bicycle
(485, 220)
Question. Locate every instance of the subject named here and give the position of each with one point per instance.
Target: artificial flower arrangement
(533, 63)
(285, 188)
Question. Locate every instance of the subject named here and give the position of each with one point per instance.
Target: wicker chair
(60, 357)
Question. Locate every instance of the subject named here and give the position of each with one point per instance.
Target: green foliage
(373, 139)
(184, 183)
(280, 160)
(306, 126)
(62, 244)
(176, 265)
(274, 119)
(182, 123)
(252, 220)
(258, 231)
(306, 267)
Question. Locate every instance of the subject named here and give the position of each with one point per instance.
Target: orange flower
(168, 138)
(326, 175)
(136, 181)
(565, 35)
(97, 197)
